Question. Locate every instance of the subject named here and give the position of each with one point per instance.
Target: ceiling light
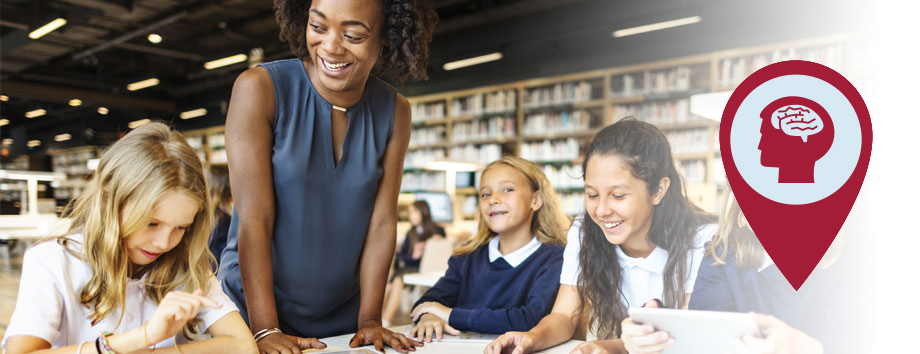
(75, 102)
(656, 26)
(33, 143)
(138, 123)
(35, 113)
(4, 98)
(193, 113)
(62, 137)
(154, 38)
(7, 141)
(233, 59)
(472, 61)
(4, 122)
(103, 110)
(143, 84)
(47, 28)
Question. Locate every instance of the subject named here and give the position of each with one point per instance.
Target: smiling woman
(316, 147)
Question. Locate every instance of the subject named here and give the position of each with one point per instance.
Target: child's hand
(781, 338)
(434, 308)
(174, 311)
(431, 324)
(643, 339)
(519, 342)
(592, 347)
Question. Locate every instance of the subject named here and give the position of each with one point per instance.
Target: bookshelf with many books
(551, 120)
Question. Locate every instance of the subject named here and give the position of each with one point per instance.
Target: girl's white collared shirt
(642, 278)
(48, 305)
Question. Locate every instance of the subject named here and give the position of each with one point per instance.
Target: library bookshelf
(209, 143)
(550, 120)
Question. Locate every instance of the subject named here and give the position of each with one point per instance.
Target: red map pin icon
(795, 139)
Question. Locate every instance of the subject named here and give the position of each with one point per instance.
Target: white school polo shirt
(642, 277)
(48, 305)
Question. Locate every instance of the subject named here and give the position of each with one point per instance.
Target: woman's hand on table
(280, 343)
(434, 308)
(431, 325)
(520, 342)
(371, 332)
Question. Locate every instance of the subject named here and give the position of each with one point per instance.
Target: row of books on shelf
(471, 152)
(485, 103)
(656, 82)
(564, 177)
(734, 70)
(419, 158)
(478, 129)
(427, 135)
(73, 162)
(693, 171)
(427, 111)
(542, 123)
(551, 150)
(558, 94)
(689, 141)
(667, 112)
(423, 180)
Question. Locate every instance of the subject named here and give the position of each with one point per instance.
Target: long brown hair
(133, 175)
(647, 153)
(549, 223)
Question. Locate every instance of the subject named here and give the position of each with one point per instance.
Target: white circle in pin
(830, 172)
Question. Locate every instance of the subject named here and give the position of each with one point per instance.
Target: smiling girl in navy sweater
(506, 278)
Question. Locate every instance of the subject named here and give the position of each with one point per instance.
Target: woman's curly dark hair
(407, 27)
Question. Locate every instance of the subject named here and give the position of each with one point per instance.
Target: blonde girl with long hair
(135, 262)
(506, 277)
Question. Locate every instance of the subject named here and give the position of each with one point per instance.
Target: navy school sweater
(495, 297)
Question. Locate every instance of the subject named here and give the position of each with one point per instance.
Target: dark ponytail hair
(647, 153)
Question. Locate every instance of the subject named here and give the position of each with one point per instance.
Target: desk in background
(423, 279)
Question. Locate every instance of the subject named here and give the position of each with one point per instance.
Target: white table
(423, 279)
(447, 346)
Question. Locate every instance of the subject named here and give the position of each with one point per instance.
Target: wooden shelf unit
(666, 87)
(209, 143)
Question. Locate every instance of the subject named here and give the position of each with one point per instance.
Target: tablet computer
(698, 332)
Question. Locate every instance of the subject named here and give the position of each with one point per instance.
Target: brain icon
(797, 120)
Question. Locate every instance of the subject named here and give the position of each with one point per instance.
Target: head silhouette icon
(796, 132)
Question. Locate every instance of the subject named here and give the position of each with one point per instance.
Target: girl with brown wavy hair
(640, 240)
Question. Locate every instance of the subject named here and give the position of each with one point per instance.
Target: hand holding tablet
(702, 332)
